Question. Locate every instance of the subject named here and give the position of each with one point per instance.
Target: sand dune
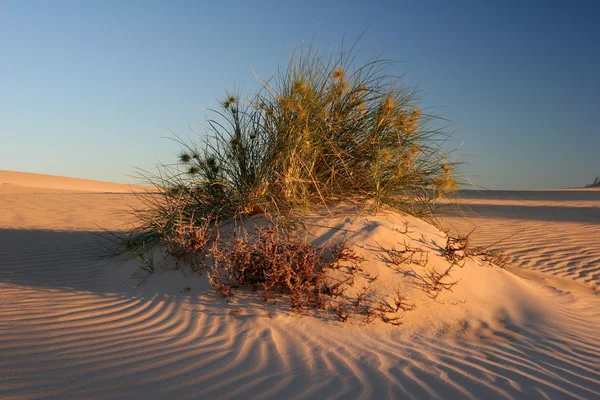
(76, 325)
(36, 201)
(25, 182)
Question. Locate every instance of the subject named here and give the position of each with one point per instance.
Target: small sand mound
(407, 256)
(406, 277)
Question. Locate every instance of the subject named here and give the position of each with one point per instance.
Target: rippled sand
(76, 325)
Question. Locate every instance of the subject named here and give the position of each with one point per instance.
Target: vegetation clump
(320, 132)
(280, 264)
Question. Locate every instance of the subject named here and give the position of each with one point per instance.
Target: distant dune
(48, 202)
(25, 182)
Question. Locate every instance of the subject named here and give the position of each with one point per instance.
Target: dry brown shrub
(458, 248)
(188, 242)
(310, 277)
(277, 263)
(432, 283)
(396, 257)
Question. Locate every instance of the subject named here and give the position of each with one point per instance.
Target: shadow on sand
(95, 333)
(590, 215)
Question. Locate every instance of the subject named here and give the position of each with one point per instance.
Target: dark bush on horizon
(596, 183)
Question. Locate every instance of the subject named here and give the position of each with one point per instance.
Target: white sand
(74, 325)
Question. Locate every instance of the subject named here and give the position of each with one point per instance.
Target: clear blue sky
(90, 88)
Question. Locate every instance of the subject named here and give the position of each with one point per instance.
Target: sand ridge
(25, 182)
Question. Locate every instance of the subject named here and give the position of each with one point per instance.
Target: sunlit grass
(324, 130)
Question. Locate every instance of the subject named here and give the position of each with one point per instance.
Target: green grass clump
(337, 132)
(322, 131)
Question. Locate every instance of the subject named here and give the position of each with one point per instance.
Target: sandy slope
(35, 201)
(25, 182)
(75, 325)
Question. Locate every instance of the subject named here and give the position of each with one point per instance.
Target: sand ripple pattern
(558, 241)
(71, 326)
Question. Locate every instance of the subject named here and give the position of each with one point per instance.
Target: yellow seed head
(413, 121)
(389, 104)
(414, 118)
(400, 170)
(287, 104)
(301, 111)
(449, 185)
(231, 100)
(406, 160)
(401, 121)
(362, 108)
(299, 87)
(338, 73)
(385, 155)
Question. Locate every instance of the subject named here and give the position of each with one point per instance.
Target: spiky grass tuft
(322, 131)
(340, 132)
